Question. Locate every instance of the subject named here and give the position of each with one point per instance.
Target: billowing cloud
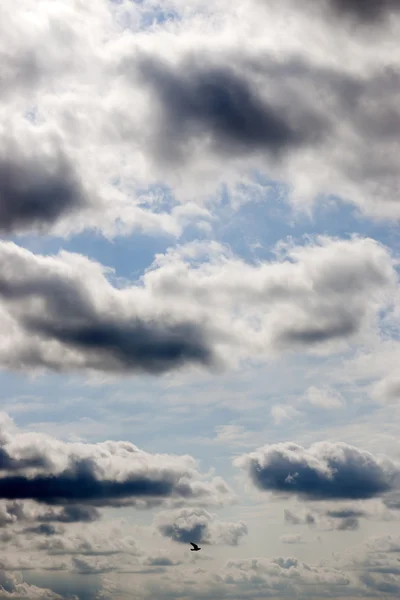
(197, 305)
(222, 101)
(325, 471)
(107, 473)
(199, 526)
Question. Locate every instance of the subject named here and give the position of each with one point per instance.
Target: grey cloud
(292, 539)
(295, 519)
(105, 474)
(124, 342)
(325, 471)
(36, 191)
(220, 103)
(43, 529)
(71, 514)
(365, 11)
(392, 501)
(133, 346)
(199, 526)
(346, 514)
(63, 313)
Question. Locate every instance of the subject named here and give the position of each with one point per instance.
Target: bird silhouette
(195, 547)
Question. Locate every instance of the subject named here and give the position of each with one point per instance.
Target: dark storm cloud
(326, 471)
(36, 192)
(218, 103)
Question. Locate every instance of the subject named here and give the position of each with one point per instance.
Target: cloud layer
(204, 98)
(197, 305)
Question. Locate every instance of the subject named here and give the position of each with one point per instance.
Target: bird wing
(194, 545)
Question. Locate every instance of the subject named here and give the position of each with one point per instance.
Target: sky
(199, 299)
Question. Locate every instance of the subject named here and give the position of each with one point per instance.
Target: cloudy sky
(199, 299)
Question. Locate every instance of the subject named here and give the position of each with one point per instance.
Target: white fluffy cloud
(197, 305)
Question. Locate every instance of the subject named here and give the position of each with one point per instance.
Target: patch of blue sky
(146, 14)
(262, 217)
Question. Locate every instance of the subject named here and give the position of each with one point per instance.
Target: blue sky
(199, 300)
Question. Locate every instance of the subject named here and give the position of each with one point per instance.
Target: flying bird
(195, 547)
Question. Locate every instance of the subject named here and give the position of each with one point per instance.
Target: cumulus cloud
(199, 526)
(325, 471)
(197, 305)
(221, 101)
(107, 473)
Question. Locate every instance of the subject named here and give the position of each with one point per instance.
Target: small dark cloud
(200, 527)
(348, 524)
(43, 529)
(160, 561)
(342, 326)
(326, 471)
(35, 193)
(345, 514)
(290, 517)
(193, 533)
